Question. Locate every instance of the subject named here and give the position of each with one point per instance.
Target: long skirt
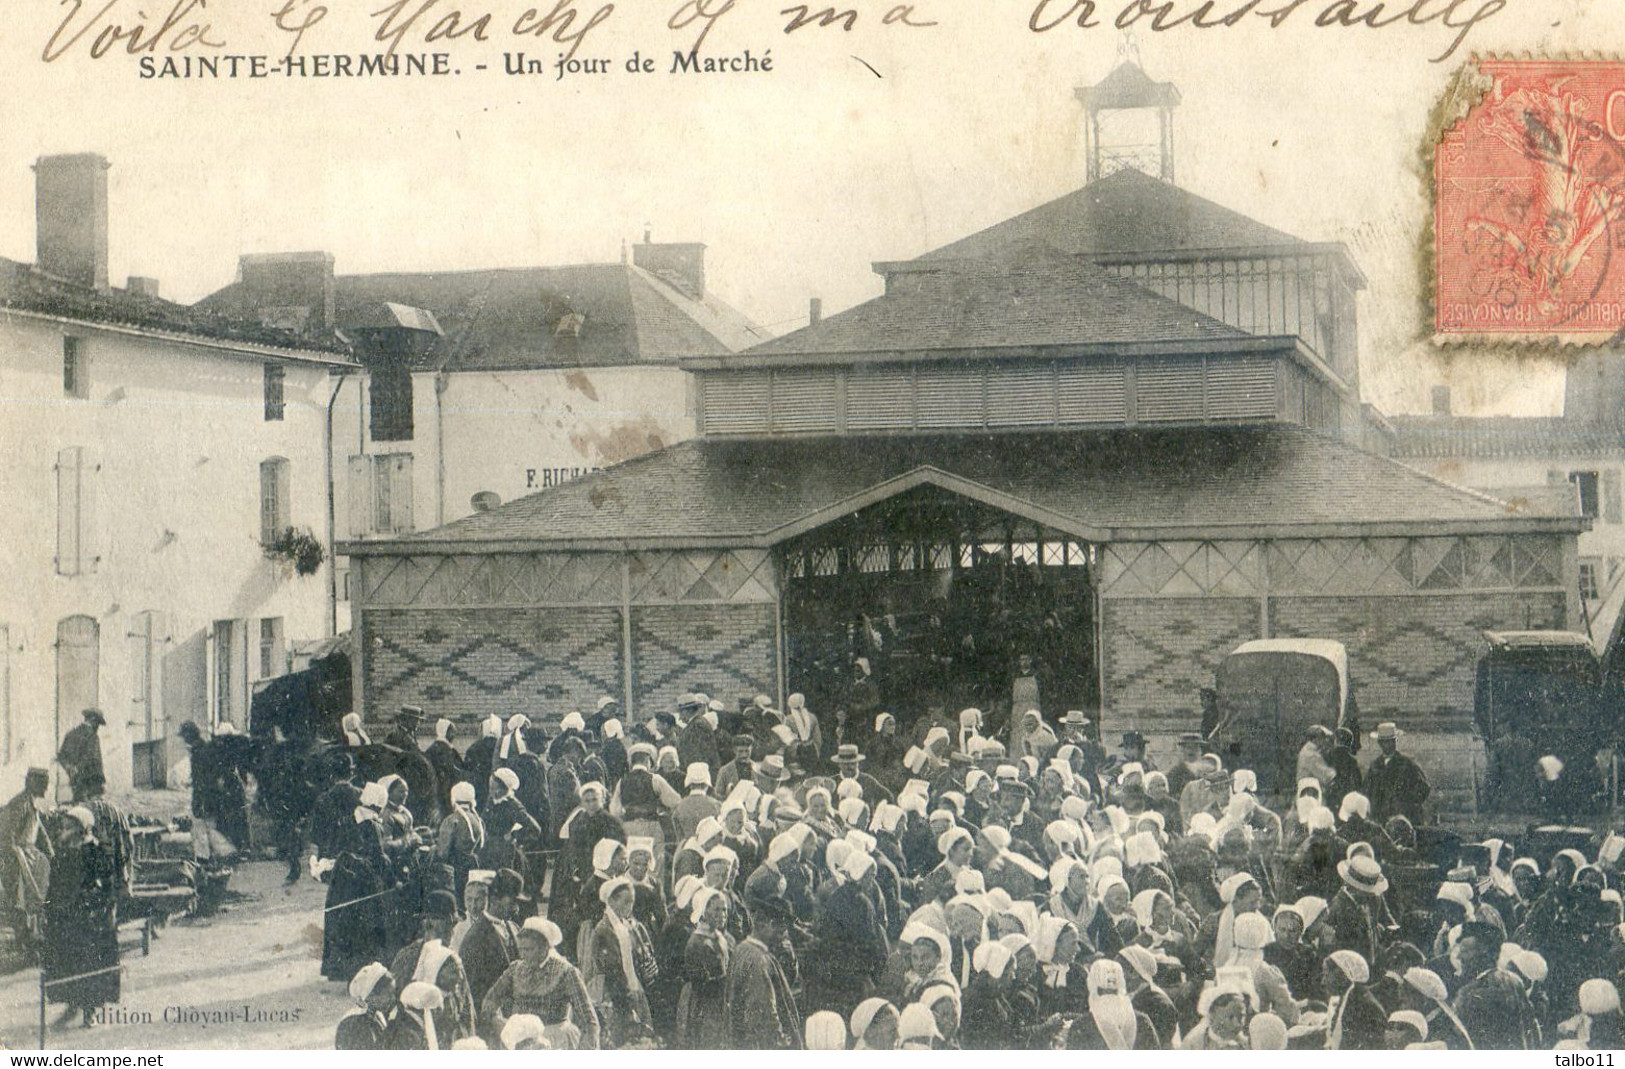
(74, 946)
(702, 1017)
(355, 929)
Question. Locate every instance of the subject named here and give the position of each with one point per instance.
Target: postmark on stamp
(1529, 206)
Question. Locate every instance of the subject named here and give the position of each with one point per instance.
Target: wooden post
(42, 1009)
(626, 636)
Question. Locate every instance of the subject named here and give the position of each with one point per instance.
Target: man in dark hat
(1131, 752)
(849, 765)
(762, 1011)
(403, 735)
(430, 959)
(740, 768)
(491, 943)
(1491, 1003)
(1347, 767)
(25, 845)
(1190, 763)
(697, 745)
(332, 815)
(81, 753)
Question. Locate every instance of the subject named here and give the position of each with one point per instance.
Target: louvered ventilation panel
(736, 402)
(1169, 390)
(1090, 394)
(1240, 387)
(804, 401)
(1021, 396)
(879, 399)
(948, 396)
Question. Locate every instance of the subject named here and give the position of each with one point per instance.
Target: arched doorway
(78, 671)
(942, 596)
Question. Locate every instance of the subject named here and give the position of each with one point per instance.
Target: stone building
(479, 386)
(1120, 433)
(153, 452)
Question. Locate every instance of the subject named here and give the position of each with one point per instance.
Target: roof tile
(1194, 477)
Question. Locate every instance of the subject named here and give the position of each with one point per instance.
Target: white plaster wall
(178, 433)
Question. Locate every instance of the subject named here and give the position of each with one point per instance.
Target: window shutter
(268, 507)
(90, 541)
(400, 492)
(284, 494)
(879, 399)
(948, 396)
(1240, 387)
(1021, 395)
(737, 402)
(1169, 389)
(68, 483)
(360, 496)
(1610, 496)
(803, 400)
(1088, 393)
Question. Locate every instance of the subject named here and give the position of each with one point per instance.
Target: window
(390, 392)
(75, 481)
(272, 658)
(1585, 484)
(78, 670)
(228, 657)
(1590, 589)
(273, 392)
(75, 369)
(146, 636)
(275, 491)
(380, 494)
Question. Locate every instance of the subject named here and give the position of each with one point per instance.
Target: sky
(875, 144)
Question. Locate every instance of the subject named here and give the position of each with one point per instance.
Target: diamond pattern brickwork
(467, 664)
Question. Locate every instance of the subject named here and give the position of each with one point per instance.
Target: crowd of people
(719, 878)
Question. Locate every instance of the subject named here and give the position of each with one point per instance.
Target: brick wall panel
(728, 650)
(1410, 656)
(1160, 652)
(466, 664)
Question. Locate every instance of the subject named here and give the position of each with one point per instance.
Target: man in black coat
(698, 742)
(1347, 767)
(81, 753)
(404, 734)
(492, 940)
(849, 941)
(1395, 784)
(334, 809)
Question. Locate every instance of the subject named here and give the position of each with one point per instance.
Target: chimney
(140, 286)
(290, 290)
(815, 311)
(1441, 400)
(70, 209)
(678, 264)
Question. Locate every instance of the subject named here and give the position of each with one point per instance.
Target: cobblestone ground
(247, 978)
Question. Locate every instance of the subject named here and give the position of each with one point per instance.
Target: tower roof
(1128, 86)
(1126, 213)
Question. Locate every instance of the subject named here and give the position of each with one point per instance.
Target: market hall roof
(506, 319)
(1025, 297)
(1192, 482)
(1129, 214)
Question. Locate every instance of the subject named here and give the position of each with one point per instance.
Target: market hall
(1097, 447)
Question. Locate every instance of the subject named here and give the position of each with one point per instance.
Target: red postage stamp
(1529, 189)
